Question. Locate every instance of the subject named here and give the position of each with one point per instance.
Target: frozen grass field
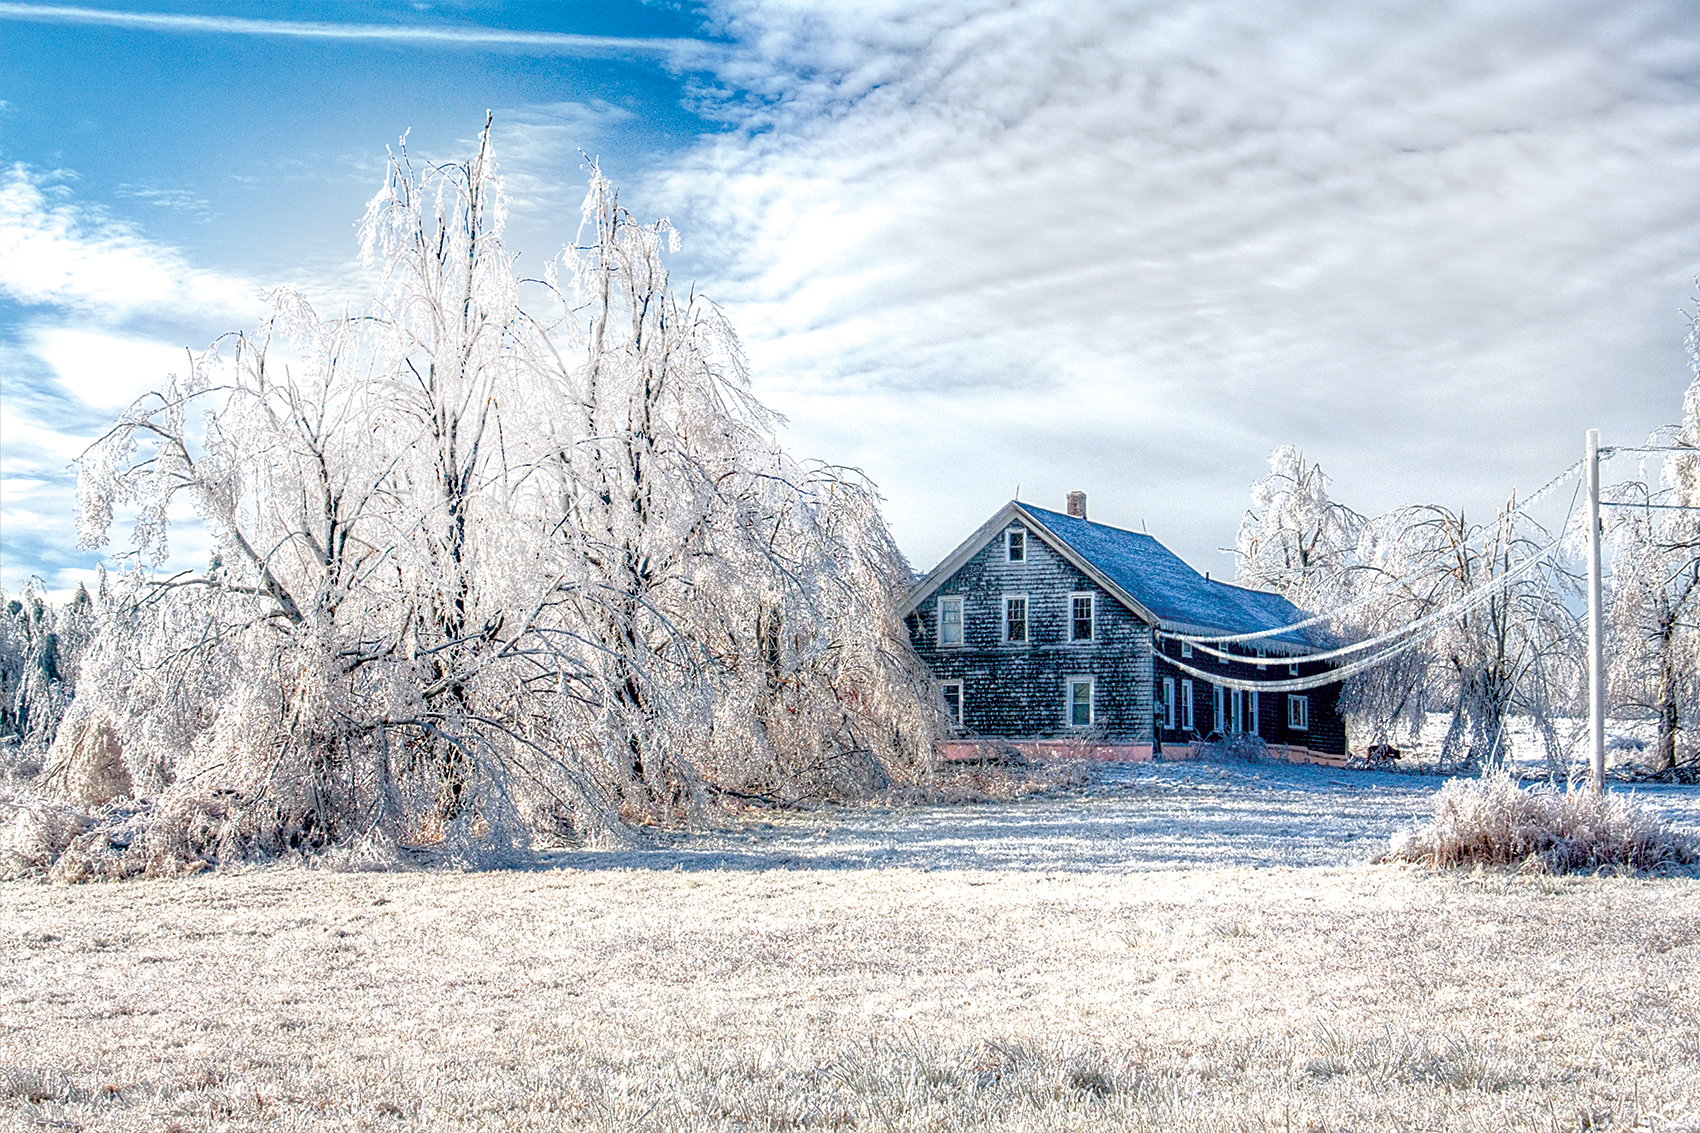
(1178, 947)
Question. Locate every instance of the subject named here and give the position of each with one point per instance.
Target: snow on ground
(1139, 816)
(1144, 955)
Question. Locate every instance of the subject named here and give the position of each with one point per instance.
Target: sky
(977, 249)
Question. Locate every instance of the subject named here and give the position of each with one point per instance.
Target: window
(1237, 703)
(1080, 702)
(1015, 546)
(950, 621)
(1216, 704)
(1169, 702)
(1298, 713)
(1224, 657)
(1081, 620)
(1186, 705)
(1293, 670)
(952, 693)
(1251, 712)
(1186, 649)
(1015, 618)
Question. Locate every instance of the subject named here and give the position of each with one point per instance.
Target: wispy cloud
(681, 51)
(55, 251)
(1132, 248)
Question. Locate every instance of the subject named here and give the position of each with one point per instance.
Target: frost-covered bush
(40, 647)
(486, 570)
(1496, 821)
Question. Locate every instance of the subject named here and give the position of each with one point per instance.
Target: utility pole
(1596, 619)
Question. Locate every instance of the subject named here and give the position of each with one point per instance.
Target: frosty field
(1183, 947)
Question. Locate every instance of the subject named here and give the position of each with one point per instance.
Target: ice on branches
(489, 570)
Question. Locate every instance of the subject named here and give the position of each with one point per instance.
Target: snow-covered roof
(1182, 599)
(1146, 576)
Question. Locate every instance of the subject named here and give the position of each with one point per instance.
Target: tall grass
(1496, 821)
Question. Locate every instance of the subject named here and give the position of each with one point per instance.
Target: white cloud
(1131, 249)
(106, 371)
(56, 252)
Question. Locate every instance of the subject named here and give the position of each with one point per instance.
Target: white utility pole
(1596, 619)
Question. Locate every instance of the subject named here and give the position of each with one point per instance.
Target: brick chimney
(1077, 504)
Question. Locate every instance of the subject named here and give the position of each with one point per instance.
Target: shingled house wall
(1021, 690)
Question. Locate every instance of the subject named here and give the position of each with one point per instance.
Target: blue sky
(1128, 248)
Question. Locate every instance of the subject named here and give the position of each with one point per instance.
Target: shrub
(1494, 820)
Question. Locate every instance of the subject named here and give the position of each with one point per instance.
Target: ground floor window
(1080, 702)
(1237, 699)
(1186, 705)
(1298, 713)
(1217, 703)
(1169, 702)
(1251, 711)
(952, 693)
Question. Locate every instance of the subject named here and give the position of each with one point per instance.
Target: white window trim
(1186, 705)
(1293, 669)
(1219, 708)
(957, 685)
(1008, 539)
(1298, 721)
(1169, 703)
(1027, 605)
(961, 622)
(1251, 711)
(1091, 699)
(1186, 649)
(1236, 709)
(1092, 599)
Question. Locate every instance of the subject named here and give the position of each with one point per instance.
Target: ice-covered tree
(1653, 628)
(487, 569)
(1294, 539)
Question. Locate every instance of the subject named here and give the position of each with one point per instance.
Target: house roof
(1144, 575)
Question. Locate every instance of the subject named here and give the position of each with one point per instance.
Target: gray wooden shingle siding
(1021, 690)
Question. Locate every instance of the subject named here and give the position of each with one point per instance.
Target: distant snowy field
(1142, 816)
(1182, 946)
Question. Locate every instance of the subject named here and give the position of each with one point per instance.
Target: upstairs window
(1080, 702)
(1015, 546)
(1081, 620)
(1298, 713)
(950, 621)
(1015, 619)
(951, 691)
(1186, 649)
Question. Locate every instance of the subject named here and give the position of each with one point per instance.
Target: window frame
(1251, 711)
(1186, 649)
(1236, 707)
(1298, 721)
(1169, 703)
(1011, 537)
(1092, 617)
(1069, 685)
(1026, 619)
(1219, 708)
(961, 621)
(956, 717)
(1186, 705)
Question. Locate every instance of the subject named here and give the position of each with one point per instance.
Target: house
(1044, 628)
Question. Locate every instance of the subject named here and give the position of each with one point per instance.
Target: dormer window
(1015, 546)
